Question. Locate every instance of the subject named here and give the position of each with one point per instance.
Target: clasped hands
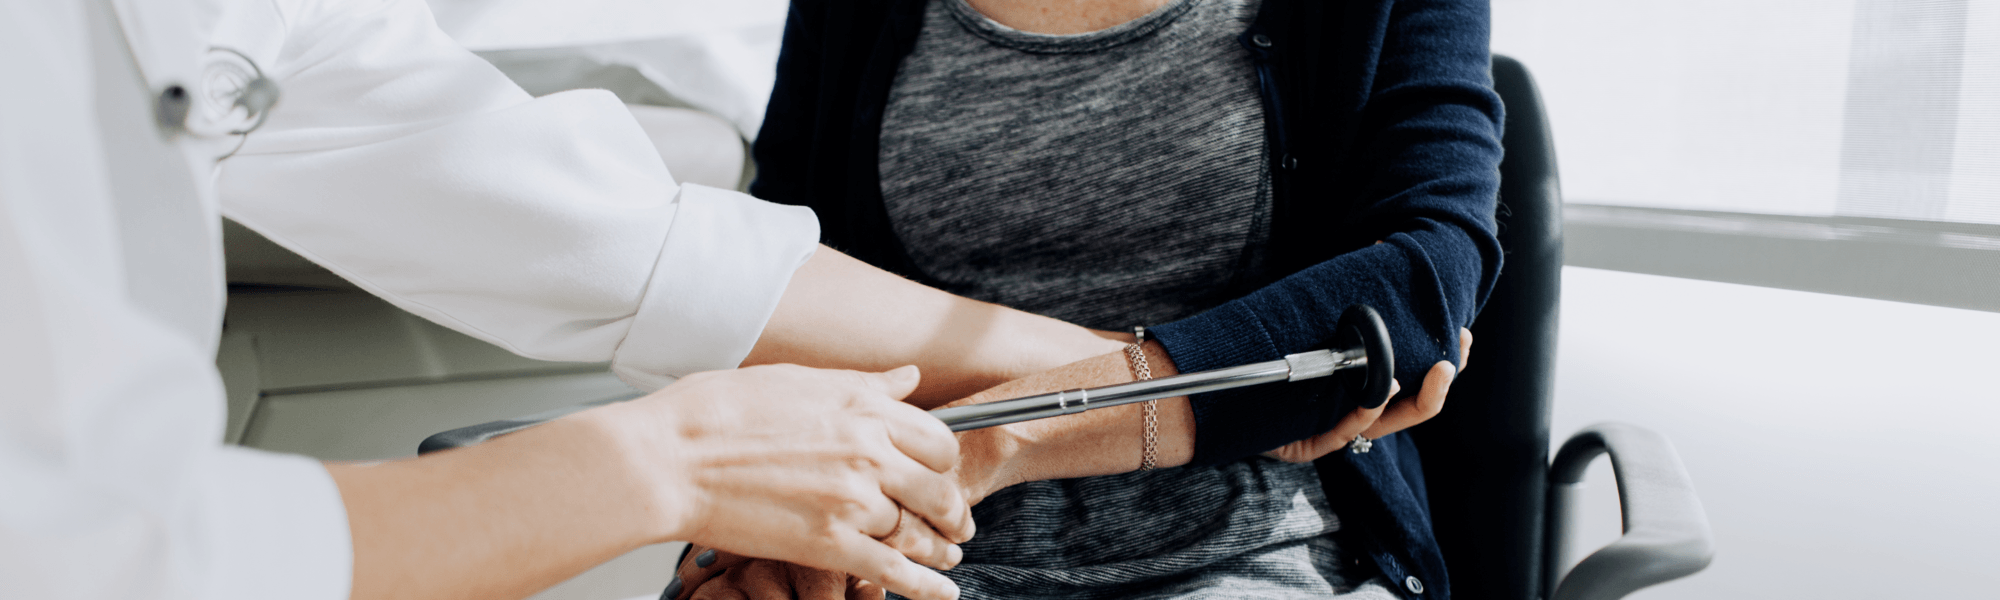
(991, 460)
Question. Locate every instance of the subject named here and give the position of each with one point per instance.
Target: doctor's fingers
(934, 499)
(931, 493)
(917, 433)
(871, 559)
(1408, 412)
(924, 545)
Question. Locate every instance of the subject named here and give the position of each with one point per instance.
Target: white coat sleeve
(114, 482)
(547, 226)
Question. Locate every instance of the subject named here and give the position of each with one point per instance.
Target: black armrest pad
(467, 436)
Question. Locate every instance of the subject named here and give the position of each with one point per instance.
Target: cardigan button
(1261, 40)
(1290, 163)
(1415, 586)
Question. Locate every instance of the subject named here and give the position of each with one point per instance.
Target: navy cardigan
(1382, 124)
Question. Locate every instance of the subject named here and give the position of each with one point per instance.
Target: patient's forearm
(1098, 442)
(841, 313)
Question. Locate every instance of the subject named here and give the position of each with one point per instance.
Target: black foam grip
(1360, 326)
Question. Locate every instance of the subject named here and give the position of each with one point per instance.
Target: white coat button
(1416, 587)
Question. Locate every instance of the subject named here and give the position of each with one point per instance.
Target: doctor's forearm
(841, 313)
(501, 520)
(802, 465)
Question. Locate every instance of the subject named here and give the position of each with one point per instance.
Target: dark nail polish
(673, 590)
(706, 559)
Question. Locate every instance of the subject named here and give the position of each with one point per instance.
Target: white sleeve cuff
(725, 265)
(276, 528)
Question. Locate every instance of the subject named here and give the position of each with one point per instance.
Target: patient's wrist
(989, 460)
(1099, 442)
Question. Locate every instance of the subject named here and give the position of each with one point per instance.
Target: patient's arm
(841, 313)
(1097, 442)
(1110, 440)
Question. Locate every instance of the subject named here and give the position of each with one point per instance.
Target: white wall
(1844, 448)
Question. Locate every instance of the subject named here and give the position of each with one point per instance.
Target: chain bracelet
(1136, 354)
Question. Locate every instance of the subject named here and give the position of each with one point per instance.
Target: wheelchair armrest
(1666, 531)
(467, 436)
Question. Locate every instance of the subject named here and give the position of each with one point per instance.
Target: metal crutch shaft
(1296, 367)
(1360, 331)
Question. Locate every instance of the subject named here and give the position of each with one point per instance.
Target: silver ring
(1360, 445)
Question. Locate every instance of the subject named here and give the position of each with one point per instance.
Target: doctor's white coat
(395, 158)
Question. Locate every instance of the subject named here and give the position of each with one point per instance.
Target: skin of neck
(1064, 17)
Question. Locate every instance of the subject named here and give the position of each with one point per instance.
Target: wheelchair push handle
(1360, 355)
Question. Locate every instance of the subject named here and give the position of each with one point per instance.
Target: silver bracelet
(1135, 354)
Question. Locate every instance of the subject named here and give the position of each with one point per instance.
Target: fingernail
(950, 589)
(673, 589)
(904, 373)
(705, 559)
(952, 555)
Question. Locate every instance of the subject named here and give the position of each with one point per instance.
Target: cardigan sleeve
(1422, 172)
(817, 145)
(783, 149)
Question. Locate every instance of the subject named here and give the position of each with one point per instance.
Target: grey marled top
(1109, 179)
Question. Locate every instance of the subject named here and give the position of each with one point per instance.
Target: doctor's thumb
(897, 383)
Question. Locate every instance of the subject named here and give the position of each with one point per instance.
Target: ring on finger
(1360, 445)
(894, 530)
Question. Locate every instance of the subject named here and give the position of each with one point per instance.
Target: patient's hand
(763, 579)
(1393, 417)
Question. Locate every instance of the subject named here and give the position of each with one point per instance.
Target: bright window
(1863, 108)
(1840, 146)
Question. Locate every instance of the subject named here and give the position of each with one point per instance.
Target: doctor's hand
(1389, 418)
(808, 466)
